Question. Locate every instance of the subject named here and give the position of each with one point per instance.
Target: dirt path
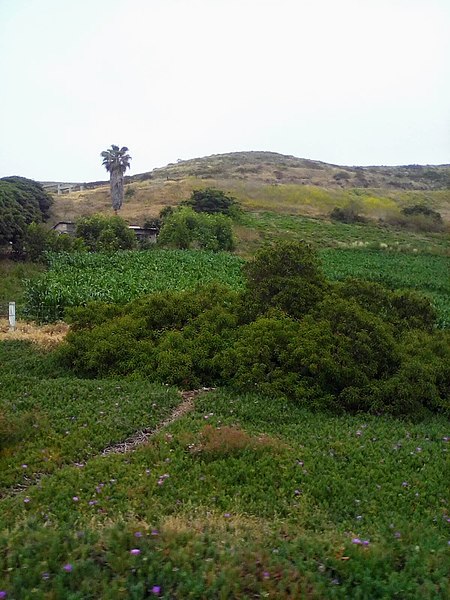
(137, 439)
(142, 436)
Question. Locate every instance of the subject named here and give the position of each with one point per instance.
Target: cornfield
(76, 279)
(426, 273)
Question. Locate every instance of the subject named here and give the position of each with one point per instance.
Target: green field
(244, 497)
(122, 276)
(75, 279)
(321, 233)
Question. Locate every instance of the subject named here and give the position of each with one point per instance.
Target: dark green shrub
(342, 176)
(260, 359)
(339, 345)
(91, 315)
(405, 309)
(147, 337)
(348, 214)
(286, 276)
(212, 201)
(361, 346)
(426, 211)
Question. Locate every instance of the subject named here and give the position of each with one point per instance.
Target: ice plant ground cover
(246, 496)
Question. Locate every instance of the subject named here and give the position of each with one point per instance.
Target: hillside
(270, 181)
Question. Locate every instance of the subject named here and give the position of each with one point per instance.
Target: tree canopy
(22, 201)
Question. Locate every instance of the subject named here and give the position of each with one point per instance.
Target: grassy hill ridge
(270, 181)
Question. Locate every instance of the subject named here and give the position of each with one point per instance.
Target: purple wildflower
(356, 541)
(297, 492)
(138, 534)
(135, 552)
(68, 568)
(397, 535)
(3, 594)
(266, 574)
(155, 532)
(26, 500)
(156, 589)
(405, 484)
(365, 542)
(227, 515)
(24, 466)
(46, 576)
(75, 498)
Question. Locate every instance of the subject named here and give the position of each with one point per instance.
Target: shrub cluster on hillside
(352, 345)
(212, 201)
(418, 218)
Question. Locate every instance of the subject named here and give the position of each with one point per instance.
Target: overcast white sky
(343, 81)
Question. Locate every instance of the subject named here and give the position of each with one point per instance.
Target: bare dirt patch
(47, 336)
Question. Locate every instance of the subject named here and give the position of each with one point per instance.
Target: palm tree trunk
(116, 189)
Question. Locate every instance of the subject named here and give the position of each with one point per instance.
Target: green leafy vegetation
(297, 478)
(12, 276)
(184, 229)
(422, 272)
(290, 332)
(38, 240)
(272, 226)
(52, 419)
(76, 279)
(105, 234)
(243, 497)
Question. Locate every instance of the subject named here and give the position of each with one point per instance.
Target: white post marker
(12, 316)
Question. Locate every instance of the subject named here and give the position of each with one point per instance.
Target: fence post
(12, 316)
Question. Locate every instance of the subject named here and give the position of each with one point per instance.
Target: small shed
(148, 234)
(67, 227)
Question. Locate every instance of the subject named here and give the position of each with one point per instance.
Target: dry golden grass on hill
(47, 336)
(264, 181)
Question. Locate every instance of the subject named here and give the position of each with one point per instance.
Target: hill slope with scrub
(267, 181)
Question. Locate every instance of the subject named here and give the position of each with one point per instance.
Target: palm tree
(116, 161)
